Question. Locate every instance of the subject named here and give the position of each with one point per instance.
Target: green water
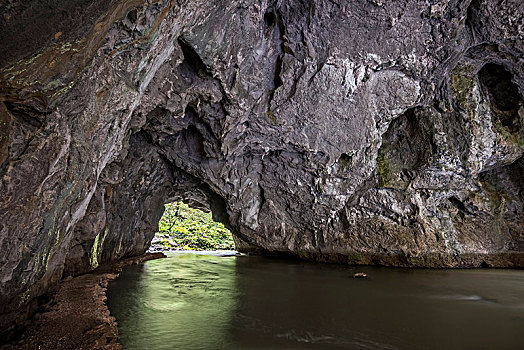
(193, 301)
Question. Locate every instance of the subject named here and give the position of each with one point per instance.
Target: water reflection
(207, 302)
(185, 302)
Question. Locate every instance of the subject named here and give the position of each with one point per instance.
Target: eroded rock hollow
(368, 132)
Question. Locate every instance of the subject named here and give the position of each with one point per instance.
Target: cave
(503, 95)
(406, 147)
(301, 126)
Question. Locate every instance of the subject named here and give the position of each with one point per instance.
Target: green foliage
(185, 228)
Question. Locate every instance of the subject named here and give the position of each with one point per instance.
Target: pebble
(360, 275)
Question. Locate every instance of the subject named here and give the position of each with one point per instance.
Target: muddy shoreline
(77, 316)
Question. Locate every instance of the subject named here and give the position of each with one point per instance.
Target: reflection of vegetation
(185, 228)
(186, 301)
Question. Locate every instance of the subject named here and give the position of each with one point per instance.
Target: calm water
(191, 301)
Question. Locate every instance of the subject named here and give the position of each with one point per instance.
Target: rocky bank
(76, 316)
(362, 132)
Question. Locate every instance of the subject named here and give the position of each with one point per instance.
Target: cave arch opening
(190, 227)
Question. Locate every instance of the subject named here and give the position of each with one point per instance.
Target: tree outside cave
(185, 228)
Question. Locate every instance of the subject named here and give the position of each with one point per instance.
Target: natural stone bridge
(367, 132)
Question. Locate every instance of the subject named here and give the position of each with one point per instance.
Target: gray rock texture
(362, 132)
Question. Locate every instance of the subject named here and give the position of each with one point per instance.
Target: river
(221, 301)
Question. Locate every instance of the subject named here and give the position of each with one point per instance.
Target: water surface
(202, 301)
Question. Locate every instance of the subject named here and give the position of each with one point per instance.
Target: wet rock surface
(362, 132)
(76, 316)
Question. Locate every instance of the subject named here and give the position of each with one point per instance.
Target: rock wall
(366, 132)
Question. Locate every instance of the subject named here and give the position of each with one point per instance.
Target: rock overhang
(362, 132)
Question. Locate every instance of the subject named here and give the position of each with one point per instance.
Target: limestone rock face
(368, 132)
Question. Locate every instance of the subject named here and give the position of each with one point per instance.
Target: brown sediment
(77, 316)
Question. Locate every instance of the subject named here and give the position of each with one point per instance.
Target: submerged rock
(358, 132)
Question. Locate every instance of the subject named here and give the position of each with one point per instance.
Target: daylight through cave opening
(182, 227)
